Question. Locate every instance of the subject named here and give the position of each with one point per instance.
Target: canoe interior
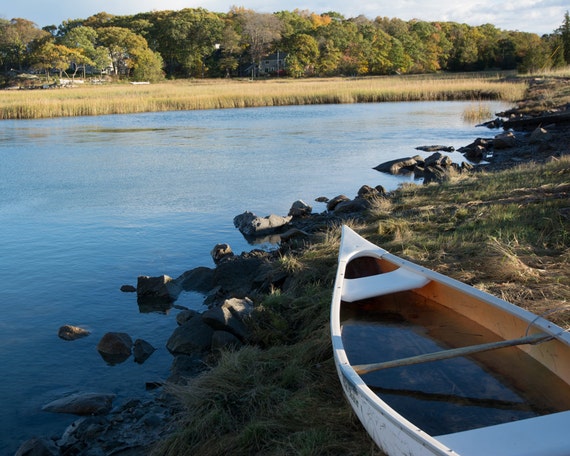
(458, 394)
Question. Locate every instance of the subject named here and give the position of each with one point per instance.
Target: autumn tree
(50, 56)
(16, 38)
(83, 41)
(260, 32)
(302, 53)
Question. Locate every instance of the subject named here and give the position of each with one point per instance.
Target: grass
(86, 100)
(506, 232)
(477, 113)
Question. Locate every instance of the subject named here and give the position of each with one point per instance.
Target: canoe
(432, 366)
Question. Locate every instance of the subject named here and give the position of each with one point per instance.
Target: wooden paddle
(451, 353)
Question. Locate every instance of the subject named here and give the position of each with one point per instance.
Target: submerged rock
(83, 404)
(69, 332)
(142, 350)
(115, 347)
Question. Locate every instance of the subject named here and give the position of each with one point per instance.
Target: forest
(197, 43)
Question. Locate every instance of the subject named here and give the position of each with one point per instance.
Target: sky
(535, 16)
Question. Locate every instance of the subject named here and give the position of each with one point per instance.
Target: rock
(37, 447)
(200, 279)
(335, 201)
(82, 404)
(355, 205)
(230, 316)
(130, 430)
(142, 350)
(435, 173)
(292, 234)
(475, 154)
(225, 340)
(504, 141)
(186, 315)
(300, 209)
(399, 165)
(240, 274)
(239, 308)
(322, 199)
(221, 319)
(438, 159)
(153, 286)
(191, 338)
(221, 252)
(436, 148)
(250, 224)
(540, 135)
(68, 332)
(115, 347)
(128, 289)
(368, 192)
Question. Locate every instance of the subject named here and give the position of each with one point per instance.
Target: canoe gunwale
(397, 434)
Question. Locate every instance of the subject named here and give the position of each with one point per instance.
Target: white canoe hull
(392, 432)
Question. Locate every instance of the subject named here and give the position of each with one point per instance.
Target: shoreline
(156, 413)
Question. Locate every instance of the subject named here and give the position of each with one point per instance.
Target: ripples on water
(88, 204)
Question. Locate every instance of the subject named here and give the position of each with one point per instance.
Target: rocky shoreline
(237, 282)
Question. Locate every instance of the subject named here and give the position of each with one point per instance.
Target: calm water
(88, 204)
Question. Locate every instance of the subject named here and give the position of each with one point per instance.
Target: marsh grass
(506, 233)
(477, 113)
(221, 94)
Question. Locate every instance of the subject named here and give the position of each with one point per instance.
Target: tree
(564, 32)
(187, 37)
(50, 56)
(16, 38)
(128, 51)
(303, 52)
(230, 50)
(83, 41)
(260, 32)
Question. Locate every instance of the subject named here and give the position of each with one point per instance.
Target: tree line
(195, 42)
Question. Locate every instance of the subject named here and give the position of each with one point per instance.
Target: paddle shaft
(451, 353)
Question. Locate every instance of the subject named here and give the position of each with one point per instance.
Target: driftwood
(533, 122)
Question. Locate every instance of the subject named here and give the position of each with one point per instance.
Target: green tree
(81, 39)
(302, 55)
(128, 51)
(147, 66)
(16, 39)
(533, 54)
(187, 37)
(564, 32)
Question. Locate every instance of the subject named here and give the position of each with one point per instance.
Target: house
(271, 65)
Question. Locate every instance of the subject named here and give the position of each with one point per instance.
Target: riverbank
(503, 229)
(280, 394)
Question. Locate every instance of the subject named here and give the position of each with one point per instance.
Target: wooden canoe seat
(539, 436)
(376, 285)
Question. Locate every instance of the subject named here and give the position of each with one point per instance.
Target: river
(88, 204)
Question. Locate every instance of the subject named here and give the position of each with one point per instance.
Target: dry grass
(477, 113)
(221, 94)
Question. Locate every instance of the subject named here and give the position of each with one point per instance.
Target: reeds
(95, 100)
